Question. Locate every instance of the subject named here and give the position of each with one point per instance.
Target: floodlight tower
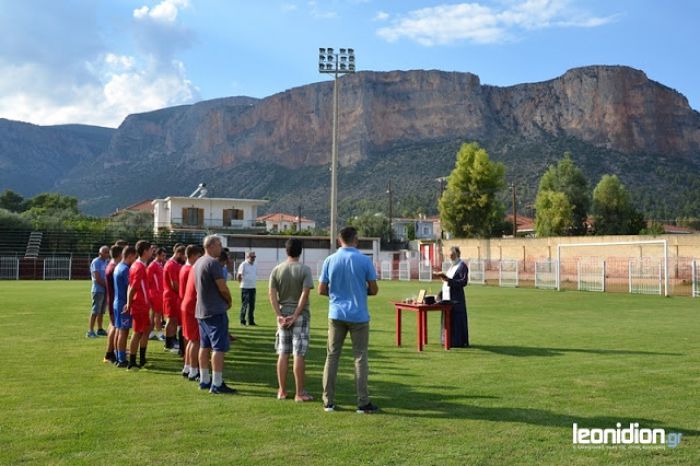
(338, 64)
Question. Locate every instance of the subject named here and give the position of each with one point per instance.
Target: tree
(567, 178)
(367, 224)
(555, 214)
(11, 201)
(13, 221)
(612, 211)
(469, 207)
(53, 201)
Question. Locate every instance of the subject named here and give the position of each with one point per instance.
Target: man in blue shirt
(97, 273)
(348, 277)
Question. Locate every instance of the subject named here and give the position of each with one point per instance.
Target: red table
(421, 311)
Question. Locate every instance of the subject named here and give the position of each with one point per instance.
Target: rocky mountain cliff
(401, 125)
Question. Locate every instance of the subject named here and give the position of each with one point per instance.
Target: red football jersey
(189, 301)
(138, 280)
(154, 273)
(171, 274)
(184, 271)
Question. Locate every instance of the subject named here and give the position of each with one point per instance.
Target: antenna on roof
(201, 191)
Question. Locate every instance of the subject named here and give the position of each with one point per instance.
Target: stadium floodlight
(338, 64)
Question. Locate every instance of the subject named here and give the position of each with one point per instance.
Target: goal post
(659, 242)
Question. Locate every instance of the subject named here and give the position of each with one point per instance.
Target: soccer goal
(646, 275)
(696, 279)
(591, 262)
(508, 273)
(9, 268)
(385, 271)
(404, 270)
(546, 273)
(57, 268)
(477, 272)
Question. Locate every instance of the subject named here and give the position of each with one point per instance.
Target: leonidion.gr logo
(632, 435)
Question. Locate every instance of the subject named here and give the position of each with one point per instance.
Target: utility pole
(299, 220)
(391, 210)
(515, 213)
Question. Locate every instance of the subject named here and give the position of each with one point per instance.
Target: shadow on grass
(527, 351)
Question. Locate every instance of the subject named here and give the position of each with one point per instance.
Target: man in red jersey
(154, 273)
(138, 305)
(171, 295)
(190, 326)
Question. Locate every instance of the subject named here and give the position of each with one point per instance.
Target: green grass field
(540, 361)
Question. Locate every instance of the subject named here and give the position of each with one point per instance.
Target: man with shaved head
(98, 268)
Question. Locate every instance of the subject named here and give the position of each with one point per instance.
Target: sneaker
(109, 360)
(369, 408)
(90, 334)
(185, 374)
(161, 337)
(329, 408)
(253, 324)
(222, 389)
(243, 323)
(193, 379)
(204, 386)
(122, 364)
(143, 362)
(130, 366)
(153, 336)
(101, 332)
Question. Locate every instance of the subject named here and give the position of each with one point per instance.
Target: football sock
(169, 342)
(186, 369)
(121, 356)
(142, 354)
(218, 378)
(132, 359)
(204, 376)
(194, 372)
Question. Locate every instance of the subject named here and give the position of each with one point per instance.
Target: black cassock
(459, 324)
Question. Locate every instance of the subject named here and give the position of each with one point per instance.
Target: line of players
(142, 288)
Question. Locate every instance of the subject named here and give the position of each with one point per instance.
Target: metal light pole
(441, 180)
(337, 64)
(515, 213)
(391, 211)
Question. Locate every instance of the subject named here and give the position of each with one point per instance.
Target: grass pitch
(540, 361)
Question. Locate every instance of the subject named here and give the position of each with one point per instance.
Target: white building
(423, 228)
(206, 213)
(284, 222)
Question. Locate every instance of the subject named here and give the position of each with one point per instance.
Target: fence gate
(477, 272)
(9, 268)
(425, 271)
(696, 279)
(508, 273)
(546, 273)
(57, 268)
(386, 270)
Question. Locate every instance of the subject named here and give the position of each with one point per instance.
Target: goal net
(546, 273)
(639, 266)
(646, 276)
(508, 273)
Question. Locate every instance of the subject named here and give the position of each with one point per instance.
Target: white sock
(218, 378)
(152, 335)
(186, 369)
(194, 372)
(204, 376)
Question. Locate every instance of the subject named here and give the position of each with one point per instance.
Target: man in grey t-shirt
(290, 284)
(213, 302)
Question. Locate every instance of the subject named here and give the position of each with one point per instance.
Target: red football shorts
(140, 322)
(171, 309)
(190, 328)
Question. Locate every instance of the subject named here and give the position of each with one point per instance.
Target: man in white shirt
(247, 275)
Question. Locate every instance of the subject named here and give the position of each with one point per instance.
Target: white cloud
(65, 73)
(286, 7)
(381, 16)
(166, 11)
(481, 24)
(318, 13)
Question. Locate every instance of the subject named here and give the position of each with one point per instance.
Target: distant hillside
(33, 158)
(403, 126)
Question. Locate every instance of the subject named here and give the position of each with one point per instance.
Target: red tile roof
(280, 217)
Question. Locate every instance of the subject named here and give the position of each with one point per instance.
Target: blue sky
(94, 62)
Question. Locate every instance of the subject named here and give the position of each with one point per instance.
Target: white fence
(646, 276)
(477, 272)
(696, 279)
(425, 271)
(404, 270)
(546, 274)
(9, 268)
(508, 273)
(386, 270)
(57, 268)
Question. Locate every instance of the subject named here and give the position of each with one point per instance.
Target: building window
(192, 216)
(232, 214)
